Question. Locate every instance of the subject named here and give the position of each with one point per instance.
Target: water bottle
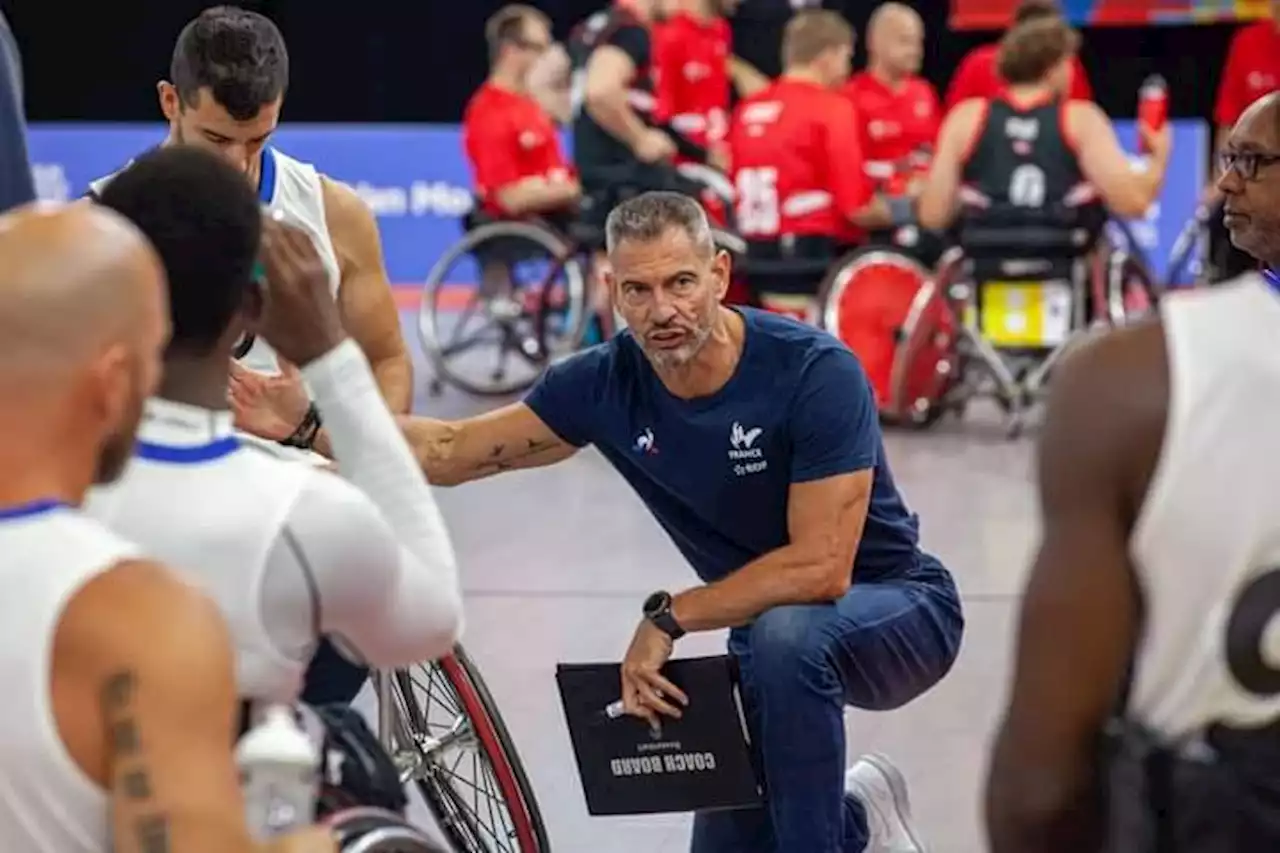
(279, 774)
(1153, 104)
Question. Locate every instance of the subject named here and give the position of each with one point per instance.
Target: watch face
(656, 603)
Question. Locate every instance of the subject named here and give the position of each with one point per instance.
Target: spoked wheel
(463, 760)
(485, 339)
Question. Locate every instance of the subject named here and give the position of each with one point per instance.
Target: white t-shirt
(289, 551)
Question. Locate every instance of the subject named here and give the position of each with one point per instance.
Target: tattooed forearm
(506, 458)
(130, 782)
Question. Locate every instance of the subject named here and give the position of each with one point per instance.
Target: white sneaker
(882, 790)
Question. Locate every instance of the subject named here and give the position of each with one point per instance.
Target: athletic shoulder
(1107, 408)
(345, 210)
(791, 346)
(336, 524)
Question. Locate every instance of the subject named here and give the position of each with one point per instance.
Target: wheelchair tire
(524, 830)
(557, 249)
(369, 830)
(874, 327)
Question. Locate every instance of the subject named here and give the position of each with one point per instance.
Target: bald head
(895, 40)
(73, 279)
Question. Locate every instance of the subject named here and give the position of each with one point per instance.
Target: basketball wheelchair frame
(992, 322)
(528, 324)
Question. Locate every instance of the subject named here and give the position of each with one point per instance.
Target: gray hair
(648, 216)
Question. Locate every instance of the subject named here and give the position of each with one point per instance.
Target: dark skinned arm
(824, 522)
(1079, 622)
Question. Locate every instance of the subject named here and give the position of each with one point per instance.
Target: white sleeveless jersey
(293, 188)
(47, 553)
(214, 510)
(1206, 545)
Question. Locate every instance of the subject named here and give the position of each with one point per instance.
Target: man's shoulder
(802, 341)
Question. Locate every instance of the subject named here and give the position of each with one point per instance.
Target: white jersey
(293, 188)
(1206, 545)
(47, 804)
(290, 552)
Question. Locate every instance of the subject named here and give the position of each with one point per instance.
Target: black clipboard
(700, 762)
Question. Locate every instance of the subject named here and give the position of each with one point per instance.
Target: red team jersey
(977, 78)
(1252, 70)
(691, 59)
(797, 163)
(896, 125)
(508, 137)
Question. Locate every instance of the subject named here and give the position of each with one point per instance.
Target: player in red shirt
(510, 141)
(797, 162)
(976, 76)
(1252, 70)
(898, 111)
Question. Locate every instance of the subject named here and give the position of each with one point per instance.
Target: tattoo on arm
(129, 776)
(500, 459)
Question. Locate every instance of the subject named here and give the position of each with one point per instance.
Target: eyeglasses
(1245, 163)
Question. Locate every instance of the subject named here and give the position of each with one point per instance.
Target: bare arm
(936, 207)
(548, 83)
(747, 79)
(508, 439)
(537, 193)
(368, 307)
(168, 710)
(609, 73)
(824, 522)
(1099, 444)
(1127, 193)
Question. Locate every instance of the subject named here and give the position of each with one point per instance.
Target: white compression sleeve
(373, 455)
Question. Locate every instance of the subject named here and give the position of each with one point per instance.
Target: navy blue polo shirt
(715, 470)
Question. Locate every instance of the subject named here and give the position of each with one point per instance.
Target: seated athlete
(228, 77)
(1033, 150)
(898, 111)
(121, 711)
(510, 141)
(797, 161)
(288, 552)
(754, 441)
(979, 76)
(1153, 595)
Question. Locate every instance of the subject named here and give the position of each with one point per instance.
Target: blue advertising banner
(415, 177)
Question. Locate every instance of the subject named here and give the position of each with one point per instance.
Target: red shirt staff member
(510, 140)
(898, 111)
(978, 77)
(1252, 70)
(797, 163)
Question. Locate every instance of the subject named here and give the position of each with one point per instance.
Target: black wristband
(305, 435)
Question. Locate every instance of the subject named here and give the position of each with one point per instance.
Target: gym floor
(556, 562)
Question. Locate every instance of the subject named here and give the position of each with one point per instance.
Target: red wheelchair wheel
(865, 301)
(926, 361)
(457, 728)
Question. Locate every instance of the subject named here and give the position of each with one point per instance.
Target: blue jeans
(880, 646)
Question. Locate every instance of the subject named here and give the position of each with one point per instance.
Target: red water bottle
(1153, 104)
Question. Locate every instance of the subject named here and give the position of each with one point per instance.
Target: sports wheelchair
(535, 292)
(1001, 307)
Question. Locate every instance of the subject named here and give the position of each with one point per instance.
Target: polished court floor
(556, 562)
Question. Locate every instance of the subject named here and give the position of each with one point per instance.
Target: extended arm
(508, 439)
(1126, 192)
(365, 300)
(746, 78)
(1079, 621)
(609, 73)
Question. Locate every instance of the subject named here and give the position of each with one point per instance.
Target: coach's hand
(300, 316)
(644, 689)
(268, 406)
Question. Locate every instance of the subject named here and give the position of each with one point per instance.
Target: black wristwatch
(657, 609)
(305, 435)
